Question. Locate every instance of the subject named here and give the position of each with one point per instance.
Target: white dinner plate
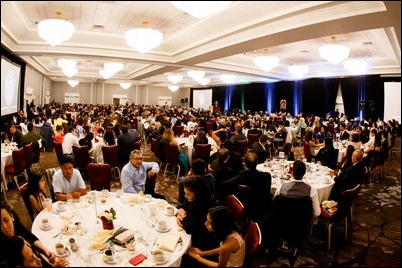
(46, 229)
(163, 231)
(172, 214)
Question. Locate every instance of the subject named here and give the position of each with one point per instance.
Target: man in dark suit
(343, 134)
(261, 148)
(125, 142)
(234, 162)
(15, 135)
(260, 187)
(353, 176)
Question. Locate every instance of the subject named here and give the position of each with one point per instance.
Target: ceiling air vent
(98, 27)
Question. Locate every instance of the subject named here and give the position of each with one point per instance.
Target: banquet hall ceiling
(223, 43)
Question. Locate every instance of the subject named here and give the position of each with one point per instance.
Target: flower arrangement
(108, 215)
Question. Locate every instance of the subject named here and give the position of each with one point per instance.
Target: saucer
(46, 228)
(166, 259)
(163, 231)
(106, 260)
(171, 214)
(61, 210)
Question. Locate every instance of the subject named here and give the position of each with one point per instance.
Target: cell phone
(137, 259)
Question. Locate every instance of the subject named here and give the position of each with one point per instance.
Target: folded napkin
(100, 239)
(329, 203)
(168, 242)
(124, 237)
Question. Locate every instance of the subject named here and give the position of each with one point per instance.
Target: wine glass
(70, 199)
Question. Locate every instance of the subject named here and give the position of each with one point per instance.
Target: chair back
(178, 130)
(111, 155)
(203, 151)
(35, 152)
(18, 161)
(28, 156)
(253, 243)
(171, 154)
(49, 179)
(240, 146)
(306, 148)
(243, 193)
(86, 129)
(237, 209)
(252, 138)
(58, 147)
(137, 145)
(81, 156)
(155, 148)
(345, 203)
(25, 197)
(99, 176)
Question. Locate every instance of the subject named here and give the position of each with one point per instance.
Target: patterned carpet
(374, 241)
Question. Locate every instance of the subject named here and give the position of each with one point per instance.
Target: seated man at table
(349, 179)
(260, 186)
(134, 174)
(261, 148)
(68, 180)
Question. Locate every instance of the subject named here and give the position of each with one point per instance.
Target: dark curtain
(256, 101)
(374, 93)
(350, 90)
(283, 91)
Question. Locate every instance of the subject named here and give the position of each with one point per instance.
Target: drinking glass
(130, 246)
(70, 199)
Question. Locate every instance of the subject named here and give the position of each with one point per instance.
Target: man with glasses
(134, 174)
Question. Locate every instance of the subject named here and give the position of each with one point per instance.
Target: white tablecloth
(131, 216)
(316, 176)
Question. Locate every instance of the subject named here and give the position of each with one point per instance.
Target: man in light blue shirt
(135, 173)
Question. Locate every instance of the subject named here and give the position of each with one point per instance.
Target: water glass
(70, 199)
(130, 246)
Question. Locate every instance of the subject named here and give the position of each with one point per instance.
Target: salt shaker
(73, 245)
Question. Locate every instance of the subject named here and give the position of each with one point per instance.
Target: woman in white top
(232, 248)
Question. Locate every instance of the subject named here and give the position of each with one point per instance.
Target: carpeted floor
(374, 241)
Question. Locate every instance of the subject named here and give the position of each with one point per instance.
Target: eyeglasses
(137, 158)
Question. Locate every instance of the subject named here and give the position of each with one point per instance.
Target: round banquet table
(316, 176)
(130, 215)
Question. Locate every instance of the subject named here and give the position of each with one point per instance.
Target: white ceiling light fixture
(125, 85)
(201, 9)
(66, 63)
(196, 75)
(204, 81)
(173, 88)
(355, 66)
(228, 78)
(266, 63)
(334, 53)
(73, 83)
(55, 31)
(143, 39)
(175, 78)
(70, 72)
(298, 71)
(106, 74)
(113, 67)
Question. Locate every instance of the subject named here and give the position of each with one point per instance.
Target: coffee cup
(105, 193)
(147, 198)
(158, 255)
(45, 224)
(162, 225)
(61, 206)
(109, 255)
(170, 210)
(119, 192)
(60, 249)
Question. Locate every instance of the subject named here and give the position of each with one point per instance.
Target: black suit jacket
(344, 136)
(260, 195)
(353, 176)
(125, 143)
(17, 138)
(261, 153)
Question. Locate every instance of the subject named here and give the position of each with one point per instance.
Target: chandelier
(204, 81)
(113, 67)
(70, 72)
(334, 53)
(73, 83)
(298, 71)
(125, 85)
(143, 39)
(266, 62)
(355, 66)
(201, 9)
(196, 75)
(55, 31)
(68, 67)
(228, 78)
(173, 88)
(175, 78)
(106, 74)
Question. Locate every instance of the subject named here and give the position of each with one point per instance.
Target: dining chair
(17, 168)
(36, 156)
(82, 158)
(25, 197)
(27, 159)
(111, 157)
(243, 193)
(99, 176)
(58, 147)
(253, 241)
(172, 158)
(178, 130)
(156, 149)
(240, 146)
(203, 151)
(150, 187)
(49, 178)
(343, 213)
(237, 209)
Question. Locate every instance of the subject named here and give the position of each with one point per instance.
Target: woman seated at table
(311, 142)
(191, 217)
(201, 138)
(12, 226)
(328, 155)
(108, 140)
(355, 141)
(347, 160)
(232, 249)
(322, 134)
(59, 137)
(37, 189)
(168, 138)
